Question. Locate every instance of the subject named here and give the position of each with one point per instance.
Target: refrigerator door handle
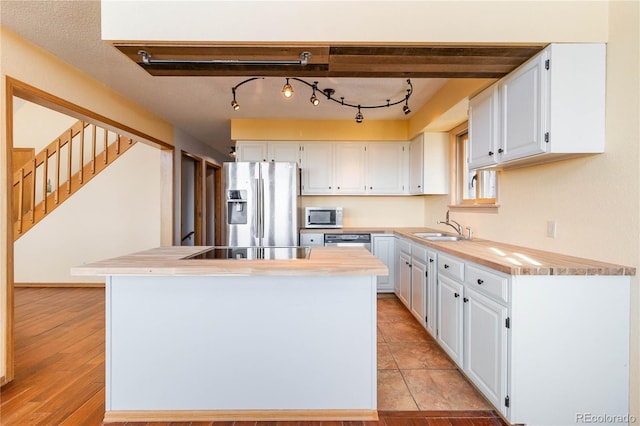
(258, 209)
(261, 209)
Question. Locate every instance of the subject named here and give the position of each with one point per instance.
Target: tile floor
(414, 373)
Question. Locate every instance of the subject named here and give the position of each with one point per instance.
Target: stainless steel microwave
(323, 217)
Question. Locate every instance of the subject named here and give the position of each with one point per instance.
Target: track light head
(406, 109)
(235, 105)
(314, 99)
(359, 116)
(287, 90)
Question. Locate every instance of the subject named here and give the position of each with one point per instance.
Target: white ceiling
(200, 106)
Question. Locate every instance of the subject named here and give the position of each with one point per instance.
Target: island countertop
(327, 261)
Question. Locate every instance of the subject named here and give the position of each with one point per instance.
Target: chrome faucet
(451, 223)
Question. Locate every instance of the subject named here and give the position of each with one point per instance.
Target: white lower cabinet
(311, 239)
(418, 289)
(403, 275)
(450, 313)
(384, 249)
(405, 279)
(432, 292)
(485, 346)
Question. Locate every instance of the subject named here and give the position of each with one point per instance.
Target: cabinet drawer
(451, 267)
(489, 283)
(311, 239)
(405, 246)
(419, 252)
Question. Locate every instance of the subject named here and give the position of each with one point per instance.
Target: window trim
(457, 193)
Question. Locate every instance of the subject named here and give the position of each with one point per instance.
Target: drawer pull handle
(456, 295)
(480, 281)
(446, 266)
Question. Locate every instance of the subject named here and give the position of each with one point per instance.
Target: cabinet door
(431, 294)
(386, 167)
(522, 114)
(418, 289)
(485, 345)
(317, 169)
(251, 151)
(350, 168)
(483, 129)
(416, 164)
(384, 249)
(283, 152)
(450, 317)
(405, 279)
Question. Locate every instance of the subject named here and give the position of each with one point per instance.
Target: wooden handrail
(35, 173)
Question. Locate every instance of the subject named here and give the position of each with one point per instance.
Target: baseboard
(60, 285)
(239, 415)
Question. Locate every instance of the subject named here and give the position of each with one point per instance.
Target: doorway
(190, 200)
(213, 185)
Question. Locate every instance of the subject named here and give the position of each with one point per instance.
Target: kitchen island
(227, 339)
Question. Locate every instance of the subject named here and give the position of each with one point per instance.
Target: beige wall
(29, 64)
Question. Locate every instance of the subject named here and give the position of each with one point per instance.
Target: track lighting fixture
(232, 152)
(234, 104)
(314, 99)
(287, 92)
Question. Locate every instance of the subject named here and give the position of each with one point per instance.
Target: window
(473, 187)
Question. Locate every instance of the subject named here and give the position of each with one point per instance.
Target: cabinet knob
(500, 151)
(490, 153)
(430, 260)
(338, 187)
(456, 295)
(329, 187)
(465, 300)
(480, 281)
(371, 187)
(446, 266)
(419, 186)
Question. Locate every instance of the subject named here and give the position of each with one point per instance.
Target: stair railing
(62, 168)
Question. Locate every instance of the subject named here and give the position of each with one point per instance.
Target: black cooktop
(239, 253)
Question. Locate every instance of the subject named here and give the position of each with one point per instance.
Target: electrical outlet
(551, 228)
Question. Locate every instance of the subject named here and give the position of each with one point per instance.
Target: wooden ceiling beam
(440, 61)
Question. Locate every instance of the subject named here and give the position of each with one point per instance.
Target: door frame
(17, 88)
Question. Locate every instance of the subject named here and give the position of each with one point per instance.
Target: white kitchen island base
(240, 347)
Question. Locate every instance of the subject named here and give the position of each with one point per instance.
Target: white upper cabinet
(268, 151)
(350, 159)
(483, 129)
(283, 151)
(551, 107)
(317, 168)
(251, 151)
(429, 164)
(522, 99)
(387, 168)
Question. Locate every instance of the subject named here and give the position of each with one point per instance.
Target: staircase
(59, 170)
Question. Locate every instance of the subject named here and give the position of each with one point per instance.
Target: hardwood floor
(60, 369)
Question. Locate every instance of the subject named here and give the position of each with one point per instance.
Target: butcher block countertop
(510, 259)
(328, 261)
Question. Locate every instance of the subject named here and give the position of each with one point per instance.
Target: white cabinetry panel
(317, 168)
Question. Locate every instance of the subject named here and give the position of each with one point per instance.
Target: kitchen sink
(428, 234)
(445, 238)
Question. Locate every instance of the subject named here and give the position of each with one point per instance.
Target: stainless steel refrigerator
(261, 204)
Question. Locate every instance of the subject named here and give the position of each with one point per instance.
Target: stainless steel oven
(323, 217)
